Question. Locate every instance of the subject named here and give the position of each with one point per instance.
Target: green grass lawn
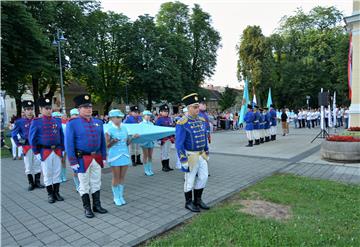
(324, 213)
(4, 152)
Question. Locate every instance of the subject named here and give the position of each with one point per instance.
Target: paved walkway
(155, 204)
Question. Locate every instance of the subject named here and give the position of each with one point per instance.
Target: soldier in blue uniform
(203, 113)
(20, 135)
(193, 152)
(257, 125)
(249, 120)
(267, 124)
(165, 143)
(262, 126)
(134, 118)
(46, 138)
(86, 149)
(273, 123)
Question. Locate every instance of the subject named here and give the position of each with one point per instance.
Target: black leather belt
(53, 147)
(80, 154)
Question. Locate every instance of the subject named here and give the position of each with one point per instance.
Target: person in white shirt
(346, 117)
(300, 116)
(326, 117)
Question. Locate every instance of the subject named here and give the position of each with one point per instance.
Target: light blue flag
(245, 102)
(148, 133)
(269, 101)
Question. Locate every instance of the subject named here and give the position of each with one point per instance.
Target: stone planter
(340, 151)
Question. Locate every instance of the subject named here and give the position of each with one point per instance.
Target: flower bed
(354, 129)
(335, 138)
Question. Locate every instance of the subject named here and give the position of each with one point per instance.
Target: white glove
(75, 167)
(38, 157)
(185, 166)
(104, 163)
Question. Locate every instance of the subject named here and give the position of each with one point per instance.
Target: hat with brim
(164, 107)
(249, 106)
(74, 111)
(44, 102)
(191, 99)
(147, 113)
(27, 104)
(56, 114)
(83, 100)
(134, 108)
(116, 113)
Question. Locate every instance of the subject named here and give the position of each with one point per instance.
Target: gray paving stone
(154, 204)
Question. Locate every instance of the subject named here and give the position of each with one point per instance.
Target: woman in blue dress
(117, 141)
(147, 147)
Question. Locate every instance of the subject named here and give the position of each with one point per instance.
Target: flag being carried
(334, 110)
(244, 103)
(269, 100)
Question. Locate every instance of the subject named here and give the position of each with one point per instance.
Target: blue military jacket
(204, 115)
(164, 121)
(257, 120)
(131, 119)
(190, 135)
(267, 120)
(21, 129)
(262, 121)
(46, 132)
(86, 136)
(273, 117)
(249, 120)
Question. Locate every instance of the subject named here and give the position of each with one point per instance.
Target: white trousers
(51, 169)
(249, 135)
(165, 150)
(199, 182)
(273, 130)
(135, 149)
(15, 148)
(267, 132)
(90, 181)
(32, 164)
(262, 133)
(257, 134)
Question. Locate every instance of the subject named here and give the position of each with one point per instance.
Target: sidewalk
(155, 204)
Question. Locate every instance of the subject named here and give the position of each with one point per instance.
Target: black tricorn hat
(82, 100)
(190, 99)
(249, 106)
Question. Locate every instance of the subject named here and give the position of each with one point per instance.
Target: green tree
(102, 69)
(23, 48)
(228, 98)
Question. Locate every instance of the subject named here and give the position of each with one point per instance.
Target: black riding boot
(97, 204)
(164, 168)
(50, 191)
(257, 142)
(261, 140)
(31, 182)
(168, 165)
(197, 199)
(57, 195)
(189, 203)
(37, 181)
(250, 144)
(133, 160)
(86, 204)
(138, 160)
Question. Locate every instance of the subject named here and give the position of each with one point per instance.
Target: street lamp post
(57, 42)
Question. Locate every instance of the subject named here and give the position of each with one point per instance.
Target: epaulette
(202, 119)
(182, 120)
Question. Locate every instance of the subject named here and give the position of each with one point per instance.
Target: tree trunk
(35, 86)
(106, 107)
(18, 106)
(149, 104)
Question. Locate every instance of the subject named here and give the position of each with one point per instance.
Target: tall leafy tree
(23, 49)
(228, 98)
